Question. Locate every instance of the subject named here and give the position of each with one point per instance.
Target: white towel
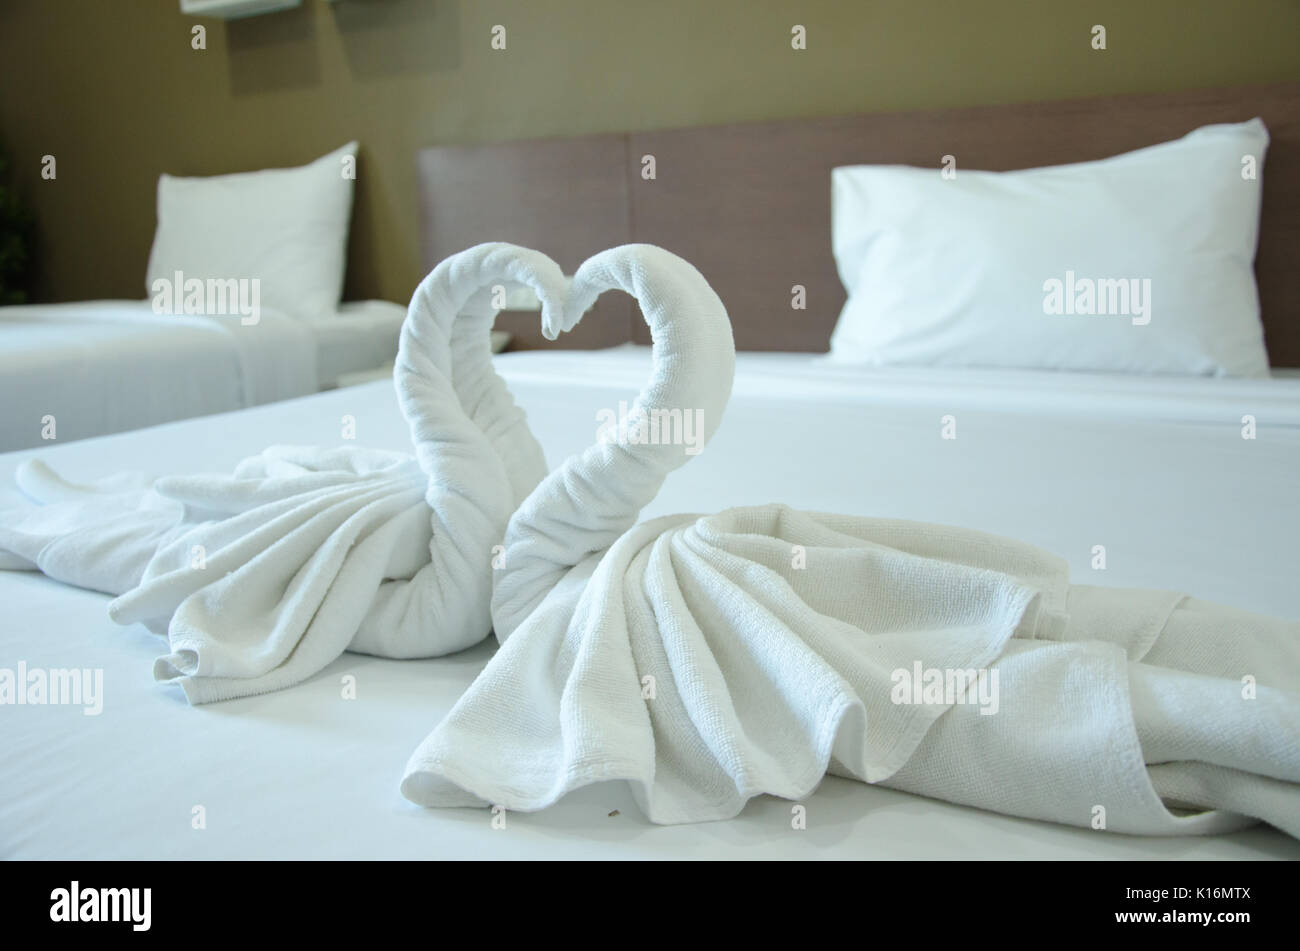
(261, 578)
(707, 660)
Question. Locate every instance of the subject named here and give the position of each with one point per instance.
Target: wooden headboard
(749, 205)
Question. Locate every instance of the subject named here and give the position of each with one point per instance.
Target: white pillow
(1028, 268)
(286, 228)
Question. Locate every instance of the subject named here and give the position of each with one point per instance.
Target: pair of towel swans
(703, 659)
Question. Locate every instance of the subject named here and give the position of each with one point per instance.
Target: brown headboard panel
(749, 205)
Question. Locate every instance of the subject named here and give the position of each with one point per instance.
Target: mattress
(1154, 469)
(95, 367)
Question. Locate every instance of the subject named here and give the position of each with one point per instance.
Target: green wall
(116, 93)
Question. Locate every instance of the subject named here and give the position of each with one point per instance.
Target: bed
(101, 367)
(245, 278)
(1152, 467)
(304, 773)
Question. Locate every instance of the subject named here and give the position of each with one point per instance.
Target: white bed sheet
(1178, 498)
(107, 366)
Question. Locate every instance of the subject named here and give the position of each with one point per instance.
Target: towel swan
(262, 578)
(709, 659)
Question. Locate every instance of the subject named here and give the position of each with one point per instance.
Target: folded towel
(261, 578)
(707, 660)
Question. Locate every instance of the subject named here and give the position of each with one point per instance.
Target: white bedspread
(105, 366)
(1157, 471)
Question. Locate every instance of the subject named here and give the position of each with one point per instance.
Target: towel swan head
(582, 507)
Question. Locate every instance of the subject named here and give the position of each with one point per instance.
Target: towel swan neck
(444, 375)
(586, 504)
(471, 441)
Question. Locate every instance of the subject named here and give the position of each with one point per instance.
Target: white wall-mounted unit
(234, 9)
